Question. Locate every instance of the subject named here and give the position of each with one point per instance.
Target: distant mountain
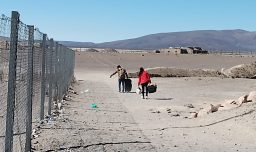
(207, 39)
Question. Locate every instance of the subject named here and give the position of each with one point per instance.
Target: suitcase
(128, 85)
(152, 88)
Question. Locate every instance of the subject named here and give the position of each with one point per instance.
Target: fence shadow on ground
(162, 98)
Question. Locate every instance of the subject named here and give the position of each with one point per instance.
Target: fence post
(56, 72)
(51, 77)
(29, 88)
(43, 82)
(11, 82)
(62, 56)
(74, 64)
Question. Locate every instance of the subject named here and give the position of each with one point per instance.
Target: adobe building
(184, 50)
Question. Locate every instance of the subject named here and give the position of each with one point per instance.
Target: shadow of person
(131, 92)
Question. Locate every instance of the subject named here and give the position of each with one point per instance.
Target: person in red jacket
(144, 80)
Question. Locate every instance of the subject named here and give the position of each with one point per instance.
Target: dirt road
(124, 122)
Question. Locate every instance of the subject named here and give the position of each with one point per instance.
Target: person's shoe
(142, 97)
(146, 97)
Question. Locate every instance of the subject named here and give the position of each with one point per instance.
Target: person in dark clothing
(144, 80)
(122, 75)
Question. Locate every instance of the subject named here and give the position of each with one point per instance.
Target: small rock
(215, 108)
(252, 97)
(242, 99)
(156, 111)
(193, 115)
(189, 105)
(230, 102)
(169, 110)
(253, 77)
(176, 115)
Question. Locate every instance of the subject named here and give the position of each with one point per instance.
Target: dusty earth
(96, 117)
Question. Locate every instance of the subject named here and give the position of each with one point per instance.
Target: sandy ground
(132, 61)
(124, 122)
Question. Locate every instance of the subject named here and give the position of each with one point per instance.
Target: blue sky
(108, 20)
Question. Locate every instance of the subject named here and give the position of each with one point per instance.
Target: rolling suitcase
(128, 85)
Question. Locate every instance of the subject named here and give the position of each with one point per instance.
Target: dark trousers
(144, 89)
(121, 84)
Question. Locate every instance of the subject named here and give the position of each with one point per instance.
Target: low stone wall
(174, 72)
(239, 71)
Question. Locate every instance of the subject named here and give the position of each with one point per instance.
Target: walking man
(122, 75)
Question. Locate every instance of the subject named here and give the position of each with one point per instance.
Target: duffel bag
(152, 88)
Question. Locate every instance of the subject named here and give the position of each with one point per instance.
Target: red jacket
(144, 78)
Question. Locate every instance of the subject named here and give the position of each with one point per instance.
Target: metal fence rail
(35, 73)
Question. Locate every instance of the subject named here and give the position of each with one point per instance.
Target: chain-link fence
(5, 25)
(35, 73)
